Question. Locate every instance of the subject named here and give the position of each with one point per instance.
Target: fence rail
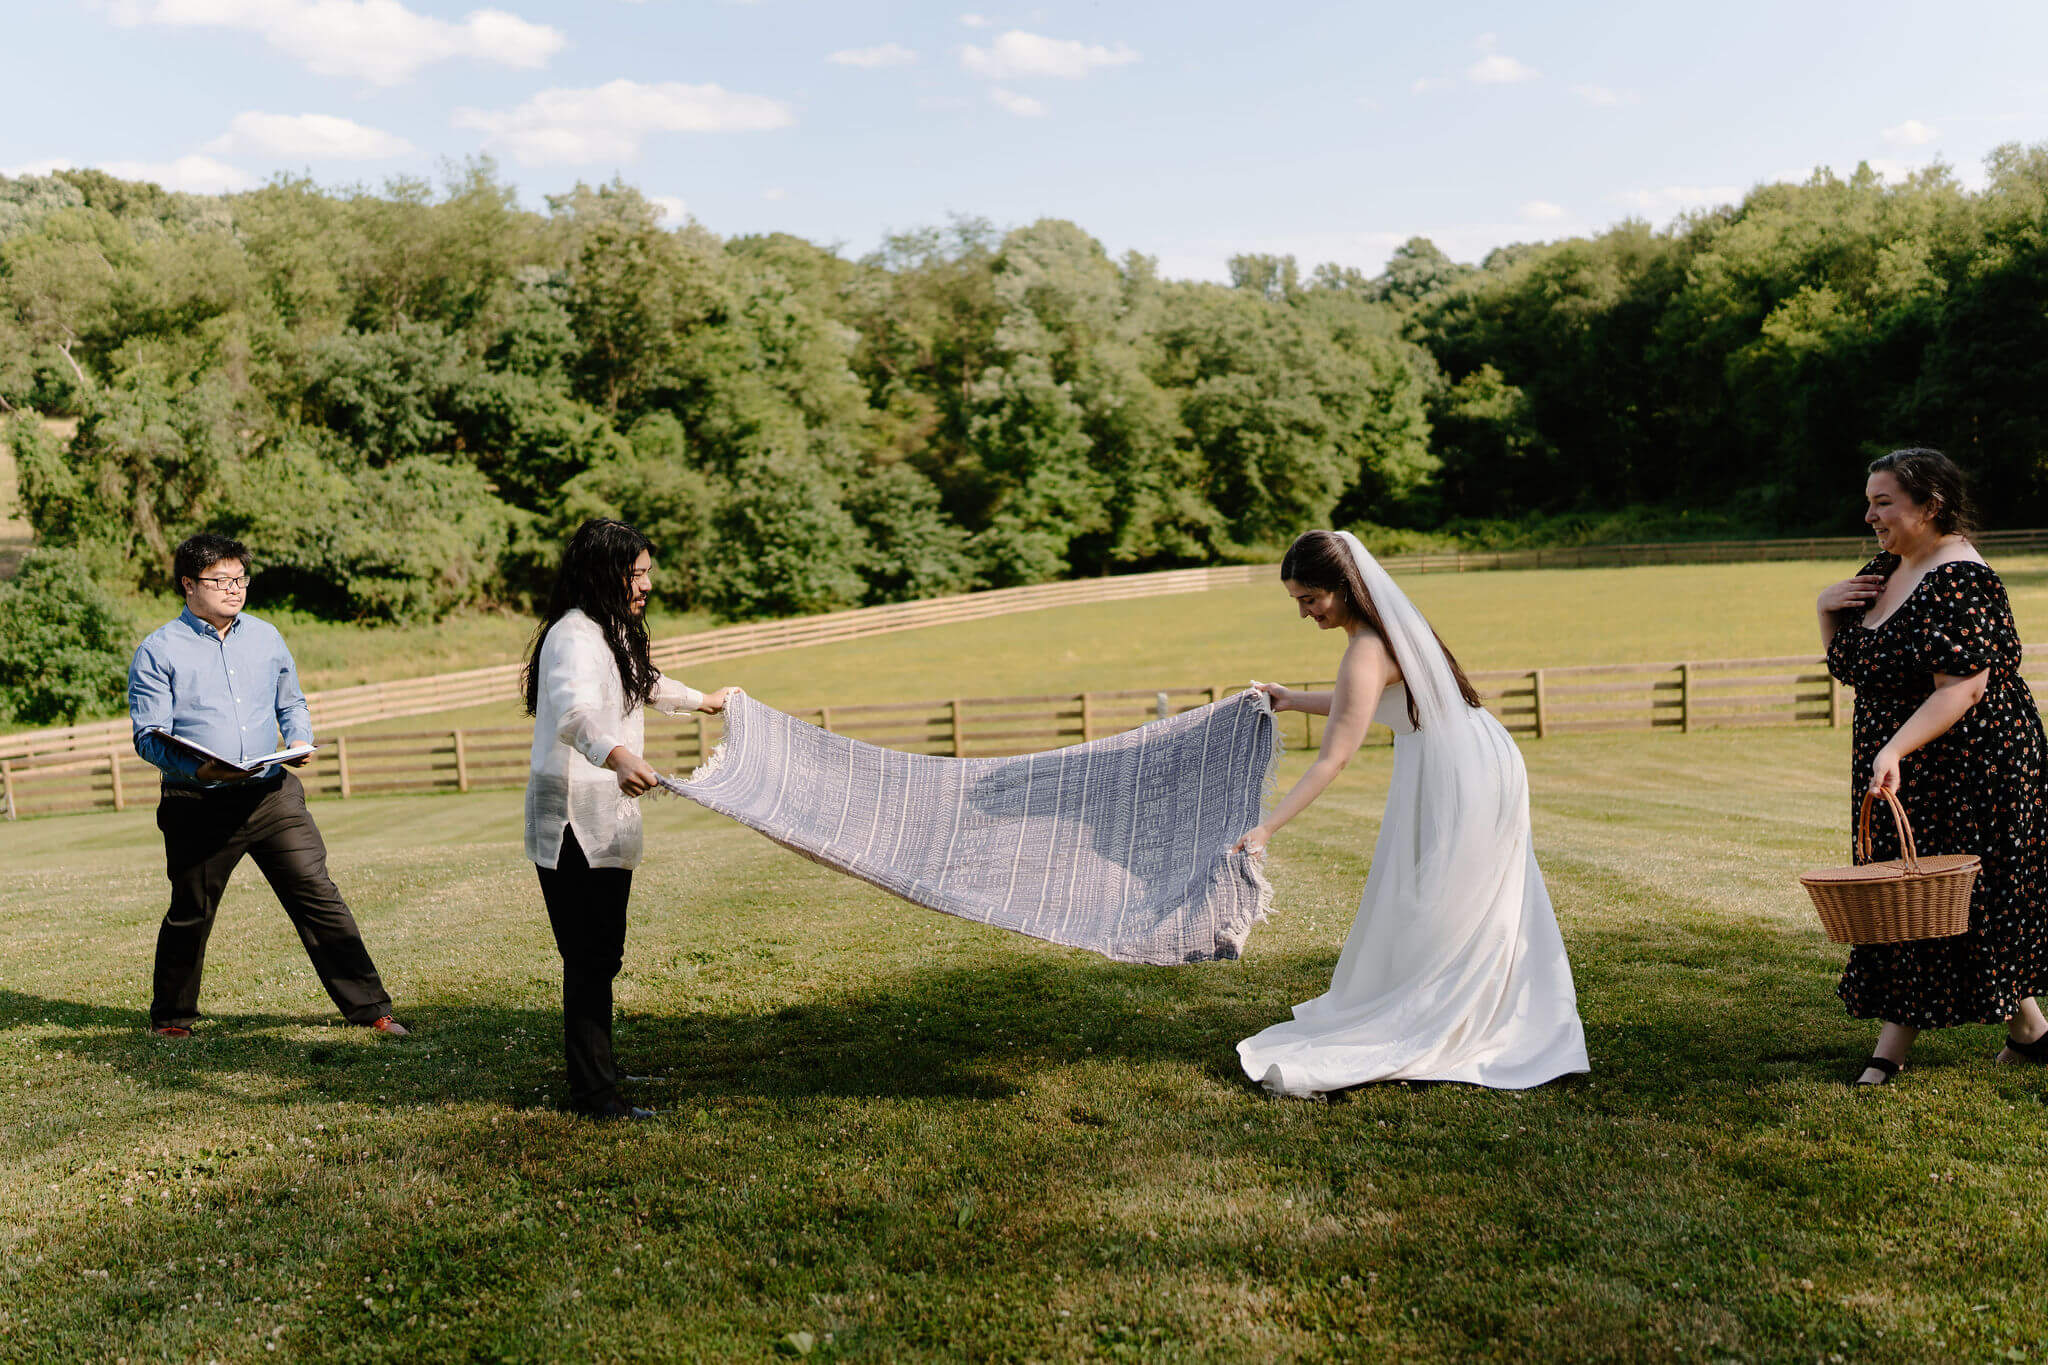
(334, 708)
(1532, 703)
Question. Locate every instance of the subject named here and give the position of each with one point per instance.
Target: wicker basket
(1896, 901)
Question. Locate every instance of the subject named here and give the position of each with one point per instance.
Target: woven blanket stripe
(1120, 846)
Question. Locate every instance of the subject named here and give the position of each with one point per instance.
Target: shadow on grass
(968, 1032)
(1672, 1009)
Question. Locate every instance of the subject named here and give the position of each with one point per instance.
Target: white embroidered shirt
(580, 716)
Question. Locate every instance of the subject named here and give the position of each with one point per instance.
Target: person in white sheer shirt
(588, 683)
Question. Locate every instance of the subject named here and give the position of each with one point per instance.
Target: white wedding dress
(1454, 969)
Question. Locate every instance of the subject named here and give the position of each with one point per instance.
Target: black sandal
(2033, 1054)
(1885, 1066)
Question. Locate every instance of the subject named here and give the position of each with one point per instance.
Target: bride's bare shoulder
(1367, 650)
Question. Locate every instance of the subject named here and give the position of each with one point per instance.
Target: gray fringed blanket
(1120, 846)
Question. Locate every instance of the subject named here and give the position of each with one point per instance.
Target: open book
(284, 755)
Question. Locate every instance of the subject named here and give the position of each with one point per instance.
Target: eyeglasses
(225, 583)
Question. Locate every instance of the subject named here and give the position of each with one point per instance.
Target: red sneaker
(391, 1026)
(171, 1031)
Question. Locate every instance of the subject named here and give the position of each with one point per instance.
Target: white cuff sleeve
(672, 697)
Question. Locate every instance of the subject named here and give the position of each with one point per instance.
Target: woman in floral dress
(1925, 635)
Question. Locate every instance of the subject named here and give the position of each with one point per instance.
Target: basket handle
(1898, 818)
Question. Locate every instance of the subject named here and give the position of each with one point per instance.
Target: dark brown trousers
(205, 835)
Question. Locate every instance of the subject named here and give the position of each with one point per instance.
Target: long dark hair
(595, 567)
(1931, 479)
(1319, 560)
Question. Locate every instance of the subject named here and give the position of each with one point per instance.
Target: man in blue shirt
(224, 680)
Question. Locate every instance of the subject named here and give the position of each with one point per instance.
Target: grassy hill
(914, 1138)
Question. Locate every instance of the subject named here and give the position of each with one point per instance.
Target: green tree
(1417, 269)
(630, 290)
(411, 540)
(914, 550)
(387, 394)
(781, 544)
(64, 646)
(654, 486)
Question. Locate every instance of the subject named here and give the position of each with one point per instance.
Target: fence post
(958, 748)
(824, 720)
(114, 773)
(461, 764)
(1536, 693)
(1834, 702)
(1087, 717)
(1160, 699)
(7, 788)
(1685, 699)
(341, 763)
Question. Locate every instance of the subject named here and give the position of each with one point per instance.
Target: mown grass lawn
(888, 1135)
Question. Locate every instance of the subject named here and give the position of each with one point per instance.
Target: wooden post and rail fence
(1533, 704)
(92, 766)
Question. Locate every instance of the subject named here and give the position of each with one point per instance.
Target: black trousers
(587, 907)
(205, 835)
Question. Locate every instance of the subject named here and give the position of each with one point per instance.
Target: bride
(1454, 969)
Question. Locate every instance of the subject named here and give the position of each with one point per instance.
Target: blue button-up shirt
(234, 693)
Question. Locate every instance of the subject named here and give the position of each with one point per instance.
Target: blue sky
(1188, 130)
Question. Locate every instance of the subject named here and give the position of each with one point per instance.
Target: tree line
(405, 397)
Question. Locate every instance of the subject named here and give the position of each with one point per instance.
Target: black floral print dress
(1976, 789)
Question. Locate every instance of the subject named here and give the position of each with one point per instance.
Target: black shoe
(1884, 1066)
(618, 1109)
(2028, 1054)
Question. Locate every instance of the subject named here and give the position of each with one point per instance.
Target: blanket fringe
(709, 765)
(1269, 796)
(704, 769)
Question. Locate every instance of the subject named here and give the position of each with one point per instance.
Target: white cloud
(1670, 200)
(1911, 133)
(886, 54)
(1424, 85)
(1602, 95)
(1497, 68)
(194, 174)
(775, 195)
(674, 212)
(944, 104)
(609, 122)
(1018, 53)
(1541, 211)
(975, 20)
(307, 137)
(379, 41)
(1023, 106)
